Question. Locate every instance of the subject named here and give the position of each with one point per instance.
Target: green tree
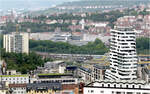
(22, 62)
(143, 45)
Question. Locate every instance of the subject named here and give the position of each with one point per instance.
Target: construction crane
(17, 28)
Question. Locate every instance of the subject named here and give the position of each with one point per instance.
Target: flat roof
(147, 89)
(17, 85)
(14, 75)
(51, 74)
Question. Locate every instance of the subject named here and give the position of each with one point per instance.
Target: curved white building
(123, 58)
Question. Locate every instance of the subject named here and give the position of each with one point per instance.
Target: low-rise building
(70, 89)
(118, 87)
(11, 72)
(85, 74)
(96, 72)
(15, 79)
(44, 88)
(57, 77)
(18, 88)
(143, 73)
(51, 67)
(99, 71)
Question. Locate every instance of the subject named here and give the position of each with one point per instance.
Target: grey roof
(101, 66)
(86, 69)
(44, 86)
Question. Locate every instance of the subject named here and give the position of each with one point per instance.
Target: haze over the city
(34, 4)
(30, 4)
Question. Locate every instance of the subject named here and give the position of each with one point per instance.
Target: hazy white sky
(34, 0)
(8, 4)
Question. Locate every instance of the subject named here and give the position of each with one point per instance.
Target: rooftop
(14, 75)
(123, 28)
(101, 66)
(51, 74)
(86, 69)
(54, 75)
(121, 81)
(17, 85)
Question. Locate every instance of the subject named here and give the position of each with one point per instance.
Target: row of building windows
(117, 92)
(14, 78)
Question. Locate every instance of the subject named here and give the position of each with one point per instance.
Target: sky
(31, 4)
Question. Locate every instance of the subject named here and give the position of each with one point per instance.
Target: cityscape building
(15, 79)
(117, 87)
(123, 57)
(17, 42)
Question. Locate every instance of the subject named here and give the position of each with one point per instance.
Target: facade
(144, 73)
(4, 88)
(110, 87)
(56, 77)
(16, 42)
(15, 79)
(51, 67)
(99, 71)
(85, 74)
(52, 88)
(42, 92)
(18, 88)
(123, 58)
(70, 89)
(43, 88)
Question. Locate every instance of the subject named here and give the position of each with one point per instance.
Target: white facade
(7, 40)
(18, 90)
(63, 80)
(16, 42)
(93, 90)
(123, 57)
(107, 87)
(62, 69)
(15, 79)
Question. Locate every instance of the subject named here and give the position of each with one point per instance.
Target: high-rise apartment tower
(123, 57)
(17, 42)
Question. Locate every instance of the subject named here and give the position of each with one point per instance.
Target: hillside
(94, 5)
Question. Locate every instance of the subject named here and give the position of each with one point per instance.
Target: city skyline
(85, 47)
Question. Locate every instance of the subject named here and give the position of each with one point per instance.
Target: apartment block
(123, 57)
(17, 42)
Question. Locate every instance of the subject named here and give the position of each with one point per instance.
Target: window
(127, 86)
(132, 86)
(114, 85)
(118, 92)
(101, 91)
(129, 93)
(92, 91)
(120, 86)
